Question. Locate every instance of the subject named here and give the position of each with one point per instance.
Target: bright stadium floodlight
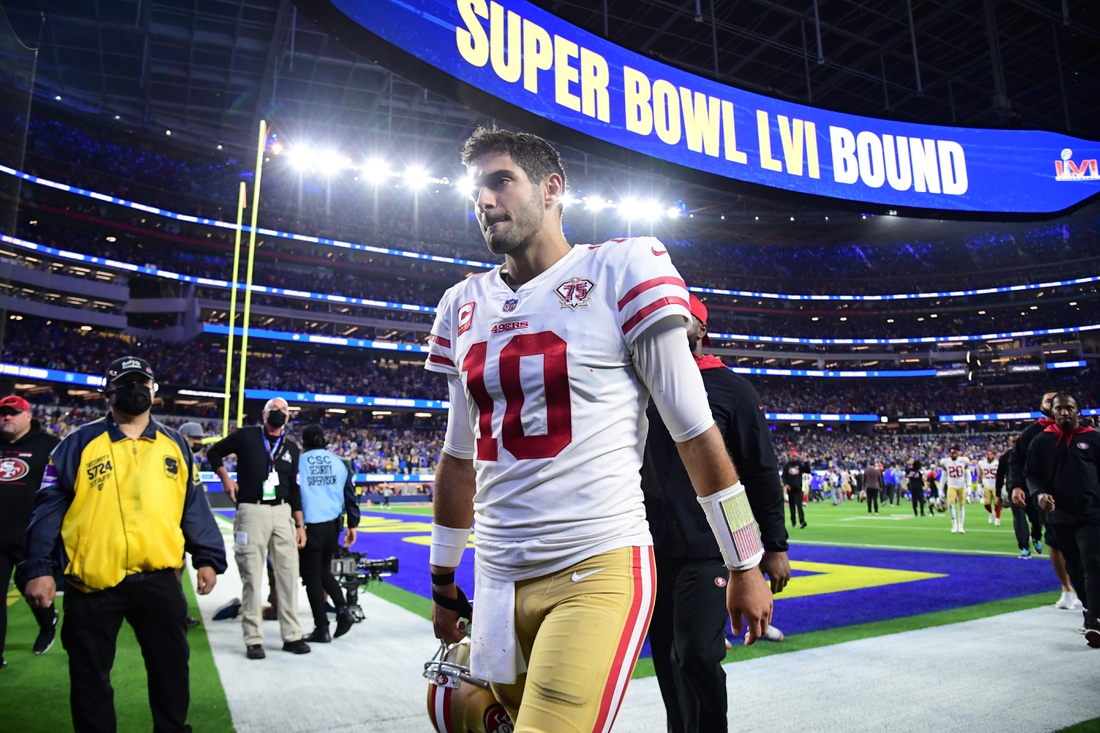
(673, 212)
(632, 209)
(301, 157)
(595, 203)
(376, 172)
(329, 162)
(416, 177)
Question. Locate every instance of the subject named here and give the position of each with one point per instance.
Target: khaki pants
(580, 630)
(267, 529)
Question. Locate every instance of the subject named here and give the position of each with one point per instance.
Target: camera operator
(269, 508)
(327, 493)
(24, 451)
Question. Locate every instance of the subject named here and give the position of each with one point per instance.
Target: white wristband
(730, 518)
(448, 544)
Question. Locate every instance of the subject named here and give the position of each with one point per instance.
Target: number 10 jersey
(554, 402)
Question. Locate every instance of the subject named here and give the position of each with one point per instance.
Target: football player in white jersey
(987, 473)
(957, 476)
(551, 359)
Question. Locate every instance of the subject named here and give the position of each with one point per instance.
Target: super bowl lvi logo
(574, 292)
(1066, 170)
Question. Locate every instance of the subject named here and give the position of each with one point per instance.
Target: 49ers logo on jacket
(574, 292)
(13, 469)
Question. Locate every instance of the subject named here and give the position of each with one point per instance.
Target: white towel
(496, 656)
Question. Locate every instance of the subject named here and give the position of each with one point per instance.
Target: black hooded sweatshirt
(21, 466)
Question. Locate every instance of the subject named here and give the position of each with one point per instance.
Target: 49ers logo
(497, 720)
(574, 292)
(13, 469)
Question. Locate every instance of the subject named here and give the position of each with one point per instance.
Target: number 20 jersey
(956, 471)
(554, 401)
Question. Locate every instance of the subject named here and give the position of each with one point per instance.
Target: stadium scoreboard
(520, 63)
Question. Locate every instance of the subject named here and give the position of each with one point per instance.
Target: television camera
(353, 570)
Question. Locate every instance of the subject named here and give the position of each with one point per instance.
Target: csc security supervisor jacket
(123, 508)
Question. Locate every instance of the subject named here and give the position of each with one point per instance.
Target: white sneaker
(954, 528)
(1068, 601)
(961, 530)
(772, 634)
(996, 523)
(991, 519)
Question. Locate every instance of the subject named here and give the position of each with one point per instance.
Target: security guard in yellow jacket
(122, 495)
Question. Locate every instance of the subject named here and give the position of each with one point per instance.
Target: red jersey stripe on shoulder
(656, 305)
(645, 285)
(433, 339)
(436, 359)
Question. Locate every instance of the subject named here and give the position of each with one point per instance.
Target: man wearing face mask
(24, 451)
(269, 519)
(121, 494)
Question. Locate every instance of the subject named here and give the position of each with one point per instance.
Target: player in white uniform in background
(957, 477)
(987, 473)
(551, 360)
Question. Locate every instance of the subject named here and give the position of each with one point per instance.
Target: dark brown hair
(535, 156)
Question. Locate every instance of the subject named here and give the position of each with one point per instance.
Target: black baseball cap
(128, 365)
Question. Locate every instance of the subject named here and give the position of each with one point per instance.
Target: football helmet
(457, 701)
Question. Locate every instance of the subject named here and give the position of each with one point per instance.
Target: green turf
(851, 526)
(1087, 726)
(45, 679)
(896, 527)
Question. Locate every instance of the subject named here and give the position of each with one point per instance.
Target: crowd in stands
(1063, 308)
(201, 364)
(439, 223)
(842, 450)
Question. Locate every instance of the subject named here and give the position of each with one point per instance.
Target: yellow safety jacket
(125, 507)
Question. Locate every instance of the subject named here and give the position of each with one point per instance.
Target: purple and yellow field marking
(831, 587)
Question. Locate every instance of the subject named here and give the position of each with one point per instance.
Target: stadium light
(376, 172)
(329, 162)
(568, 199)
(301, 157)
(595, 203)
(276, 148)
(674, 212)
(416, 177)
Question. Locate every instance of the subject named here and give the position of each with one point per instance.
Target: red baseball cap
(699, 311)
(16, 402)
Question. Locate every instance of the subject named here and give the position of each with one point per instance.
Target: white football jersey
(554, 401)
(988, 473)
(956, 472)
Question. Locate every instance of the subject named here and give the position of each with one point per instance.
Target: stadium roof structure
(209, 70)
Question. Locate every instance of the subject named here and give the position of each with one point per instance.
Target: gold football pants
(580, 631)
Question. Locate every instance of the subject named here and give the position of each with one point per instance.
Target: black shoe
(191, 622)
(319, 635)
(3, 664)
(296, 647)
(255, 651)
(344, 621)
(229, 610)
(1092, 638)
(46, 636)
(803, 526)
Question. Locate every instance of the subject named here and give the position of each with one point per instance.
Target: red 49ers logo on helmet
(497, 720)
(13, 469)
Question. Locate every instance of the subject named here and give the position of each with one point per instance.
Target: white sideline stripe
(1023, 672)
(905, 547)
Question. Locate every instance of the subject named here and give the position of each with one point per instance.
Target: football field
(857, 578)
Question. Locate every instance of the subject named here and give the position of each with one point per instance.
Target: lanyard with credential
(271, 483)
